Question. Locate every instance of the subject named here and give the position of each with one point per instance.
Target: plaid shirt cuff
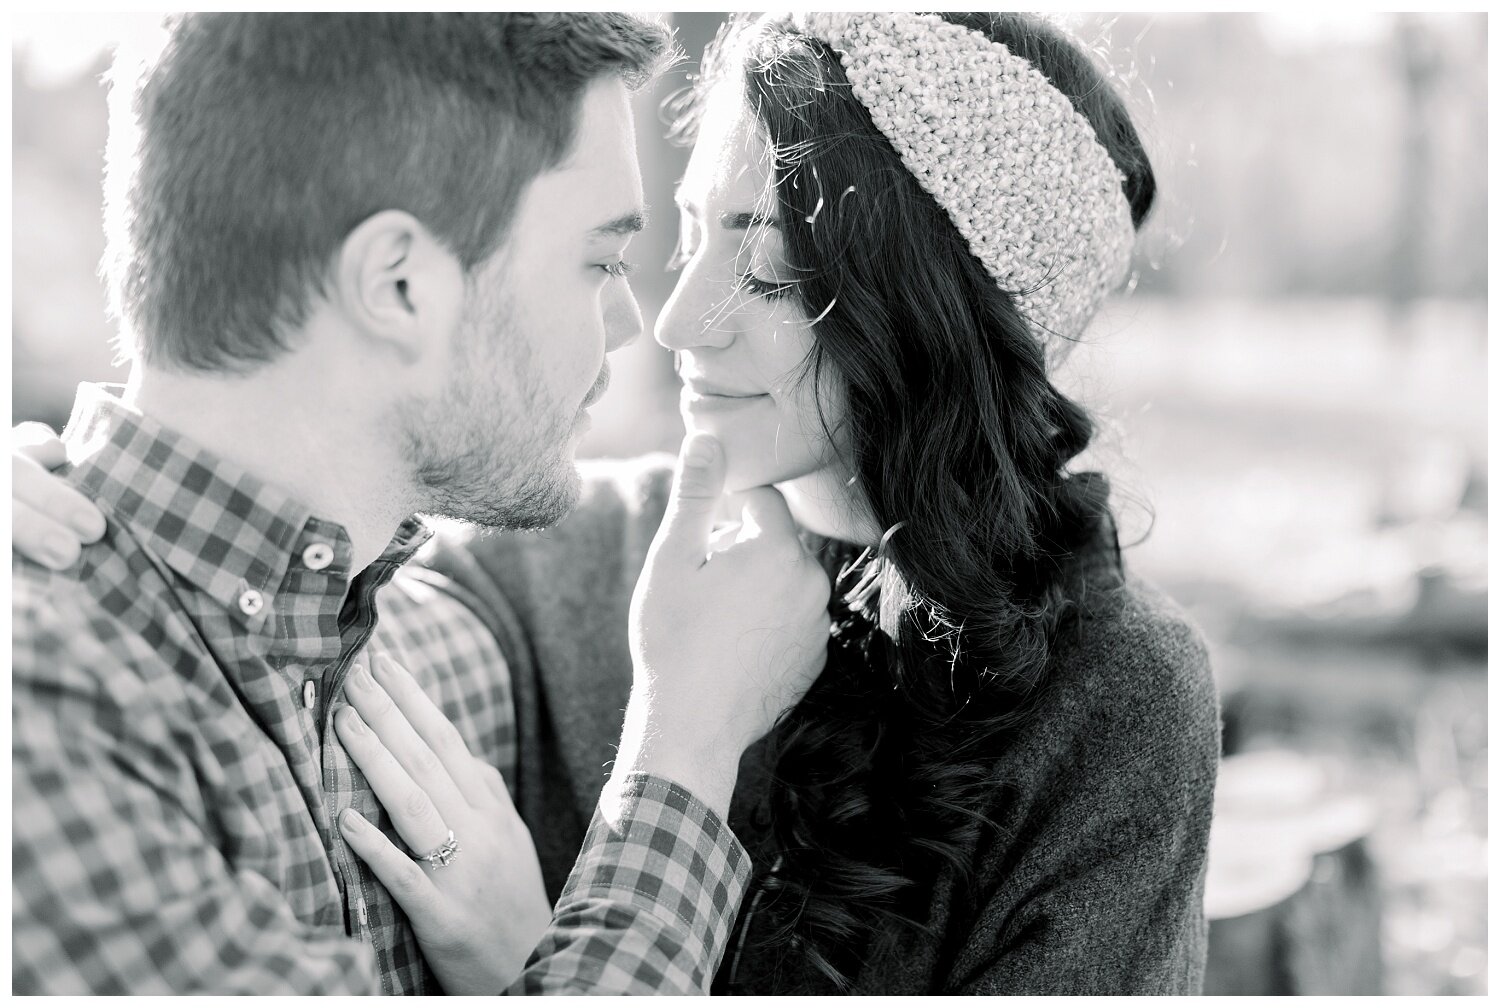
(651, 901)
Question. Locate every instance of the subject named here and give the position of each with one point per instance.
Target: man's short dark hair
(263, 139)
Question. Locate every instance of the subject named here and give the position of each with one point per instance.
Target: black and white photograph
(750, 503)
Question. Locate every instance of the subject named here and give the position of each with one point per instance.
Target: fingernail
(59, 550)
(360, 677)
(352, 721)
(701, 450)
(350, 820)
(86, 524)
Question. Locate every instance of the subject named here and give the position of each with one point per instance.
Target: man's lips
(601, 384)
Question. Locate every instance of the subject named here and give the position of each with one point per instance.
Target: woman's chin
(755, 455)
(738, 480)
(740, 477)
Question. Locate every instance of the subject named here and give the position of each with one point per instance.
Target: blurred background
(1293, 410)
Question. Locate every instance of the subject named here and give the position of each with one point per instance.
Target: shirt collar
(224, 530)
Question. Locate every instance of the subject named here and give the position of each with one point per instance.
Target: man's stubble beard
(485, 450)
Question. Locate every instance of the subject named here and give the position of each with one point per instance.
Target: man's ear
(398, 285)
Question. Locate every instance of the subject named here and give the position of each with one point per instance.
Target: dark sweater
(1093, 883)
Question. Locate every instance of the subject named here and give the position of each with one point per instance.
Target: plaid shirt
(176, 776)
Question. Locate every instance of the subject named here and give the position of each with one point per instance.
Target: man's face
(496, 447)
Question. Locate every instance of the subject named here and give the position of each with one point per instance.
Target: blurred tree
(1280, 145)
(1417, 55)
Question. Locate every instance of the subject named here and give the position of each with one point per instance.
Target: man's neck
(292, 427)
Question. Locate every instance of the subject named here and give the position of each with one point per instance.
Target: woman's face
(739, 330)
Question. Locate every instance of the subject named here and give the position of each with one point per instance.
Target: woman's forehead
(731, 162)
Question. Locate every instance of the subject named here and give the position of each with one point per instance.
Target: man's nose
(623, 324)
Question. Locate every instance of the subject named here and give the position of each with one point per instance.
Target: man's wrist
(701, 768)
(713, 789)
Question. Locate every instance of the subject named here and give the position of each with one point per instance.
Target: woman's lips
(710, 399)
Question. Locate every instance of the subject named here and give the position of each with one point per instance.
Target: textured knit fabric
(1092, 883)
(176, 774)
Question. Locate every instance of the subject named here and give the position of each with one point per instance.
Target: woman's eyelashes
(619, 269)
(772, 289)
(746, 281)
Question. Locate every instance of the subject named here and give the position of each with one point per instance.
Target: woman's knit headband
(1017, 168)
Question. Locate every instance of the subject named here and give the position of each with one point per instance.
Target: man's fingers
(696, 490)
(411, 809)
(432, 727)
(403, 877)
(32, 483)
(765, 512)
(724, 537)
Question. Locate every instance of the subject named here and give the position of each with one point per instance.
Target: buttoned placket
(316, 556)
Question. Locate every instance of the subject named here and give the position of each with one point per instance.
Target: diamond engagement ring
(442, 856)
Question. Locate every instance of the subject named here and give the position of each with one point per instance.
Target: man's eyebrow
(745, 221)
(625, 224)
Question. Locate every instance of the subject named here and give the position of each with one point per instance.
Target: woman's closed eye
(618, 269)
(772, 289)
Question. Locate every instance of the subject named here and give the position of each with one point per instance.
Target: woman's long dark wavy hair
(959, 444)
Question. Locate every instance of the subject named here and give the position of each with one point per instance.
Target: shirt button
(317, 556)
(251, 602)
(310, 694)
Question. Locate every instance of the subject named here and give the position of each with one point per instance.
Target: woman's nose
(692, 318)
